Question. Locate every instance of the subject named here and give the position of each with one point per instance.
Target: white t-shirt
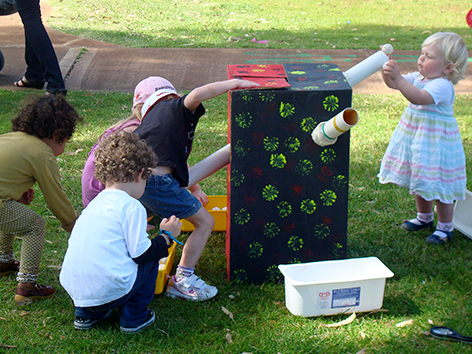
(440, 89)
(98, 266)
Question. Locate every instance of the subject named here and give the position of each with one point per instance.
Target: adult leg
(40, 57)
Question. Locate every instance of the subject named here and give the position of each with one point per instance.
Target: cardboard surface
(287, 196)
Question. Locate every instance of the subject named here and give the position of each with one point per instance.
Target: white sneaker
(190, 288)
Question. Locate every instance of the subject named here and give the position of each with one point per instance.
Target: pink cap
(151, 85)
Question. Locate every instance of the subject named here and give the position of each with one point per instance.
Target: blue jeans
(164, 197)
(40, 57)
(133, 306)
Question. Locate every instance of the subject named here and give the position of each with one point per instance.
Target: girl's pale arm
(394, 79)
(412, 93)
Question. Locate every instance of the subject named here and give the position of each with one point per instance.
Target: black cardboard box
(287, 196)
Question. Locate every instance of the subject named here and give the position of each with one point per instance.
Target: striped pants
(18, 220)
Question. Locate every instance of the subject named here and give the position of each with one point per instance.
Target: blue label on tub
(346, 297)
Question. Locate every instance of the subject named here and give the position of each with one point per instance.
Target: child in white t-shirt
(110, 262)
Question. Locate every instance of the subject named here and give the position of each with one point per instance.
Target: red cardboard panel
(253, 70)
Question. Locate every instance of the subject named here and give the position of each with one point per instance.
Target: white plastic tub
(462, 220)
(332, 287)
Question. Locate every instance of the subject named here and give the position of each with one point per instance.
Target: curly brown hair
(122, 156)
(50, 117)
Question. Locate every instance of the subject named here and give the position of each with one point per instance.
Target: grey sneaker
(190, 288)
(84, 323)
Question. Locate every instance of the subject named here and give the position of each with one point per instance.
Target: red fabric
(469, 18)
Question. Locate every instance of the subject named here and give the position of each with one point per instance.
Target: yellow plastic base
(214, 201)
(162, 279)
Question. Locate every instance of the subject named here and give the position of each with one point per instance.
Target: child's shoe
(190, 288)
(84, 323)
(440, 237)
(39, 292)
(416, 225)
(9, 268)
(151, 317)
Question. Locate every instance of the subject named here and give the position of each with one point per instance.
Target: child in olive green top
(28, 156)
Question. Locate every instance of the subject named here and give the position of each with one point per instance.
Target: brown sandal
(9, 268)
(25, 83)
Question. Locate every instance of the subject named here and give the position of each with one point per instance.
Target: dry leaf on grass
(342, 323)
(55, 266)
(8, 346)
(225, 310)
(73, 153)
(372, 312)
(404, 323)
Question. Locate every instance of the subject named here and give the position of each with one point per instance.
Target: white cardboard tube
(368, 66)
(326, 133)
(209, 165)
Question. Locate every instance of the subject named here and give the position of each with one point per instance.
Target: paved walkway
(97, 66)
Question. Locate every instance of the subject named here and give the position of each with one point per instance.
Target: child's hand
(244, 84)
(172, 225)
(27, 197)
(201, 196)
(391, 70)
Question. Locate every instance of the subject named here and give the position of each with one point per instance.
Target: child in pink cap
(168, 127)
(90, 185)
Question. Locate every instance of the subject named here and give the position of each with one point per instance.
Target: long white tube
(326, 133)
(209, 165)
(368, 66)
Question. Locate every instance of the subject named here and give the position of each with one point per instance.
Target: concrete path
(97, 66)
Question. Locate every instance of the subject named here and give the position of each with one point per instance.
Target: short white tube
(368, 66)
(326, 133)
(209, 165)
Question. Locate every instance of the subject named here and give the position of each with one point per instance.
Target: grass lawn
(301, 24)
(431, 284)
